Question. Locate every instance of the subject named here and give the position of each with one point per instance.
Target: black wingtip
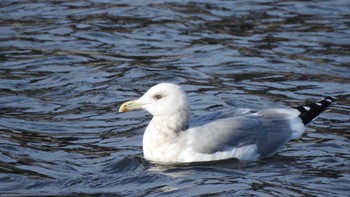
(311, 111)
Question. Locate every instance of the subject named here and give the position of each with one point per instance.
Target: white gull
(250, 136)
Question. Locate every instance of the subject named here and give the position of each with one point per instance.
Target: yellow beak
(130, 105)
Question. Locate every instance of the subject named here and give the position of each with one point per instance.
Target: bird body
(247, 136)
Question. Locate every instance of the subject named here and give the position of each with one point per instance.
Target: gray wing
(203, 119)
(268, 129)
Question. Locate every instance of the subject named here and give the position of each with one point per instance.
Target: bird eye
(157, 96)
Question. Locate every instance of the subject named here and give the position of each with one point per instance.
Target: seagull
(168, 137)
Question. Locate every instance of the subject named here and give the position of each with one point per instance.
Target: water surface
(66, 66)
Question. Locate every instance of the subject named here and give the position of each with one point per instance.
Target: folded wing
(268, 129)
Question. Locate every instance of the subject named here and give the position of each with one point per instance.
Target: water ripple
(65, 66)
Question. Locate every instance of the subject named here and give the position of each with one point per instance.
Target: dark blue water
(66, 66)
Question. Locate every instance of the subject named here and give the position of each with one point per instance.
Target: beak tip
(121, 110)
(129, 106)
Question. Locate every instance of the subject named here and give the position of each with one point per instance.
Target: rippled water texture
(65, 67)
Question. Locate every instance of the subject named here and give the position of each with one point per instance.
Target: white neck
(173, 123)
(162, 135)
